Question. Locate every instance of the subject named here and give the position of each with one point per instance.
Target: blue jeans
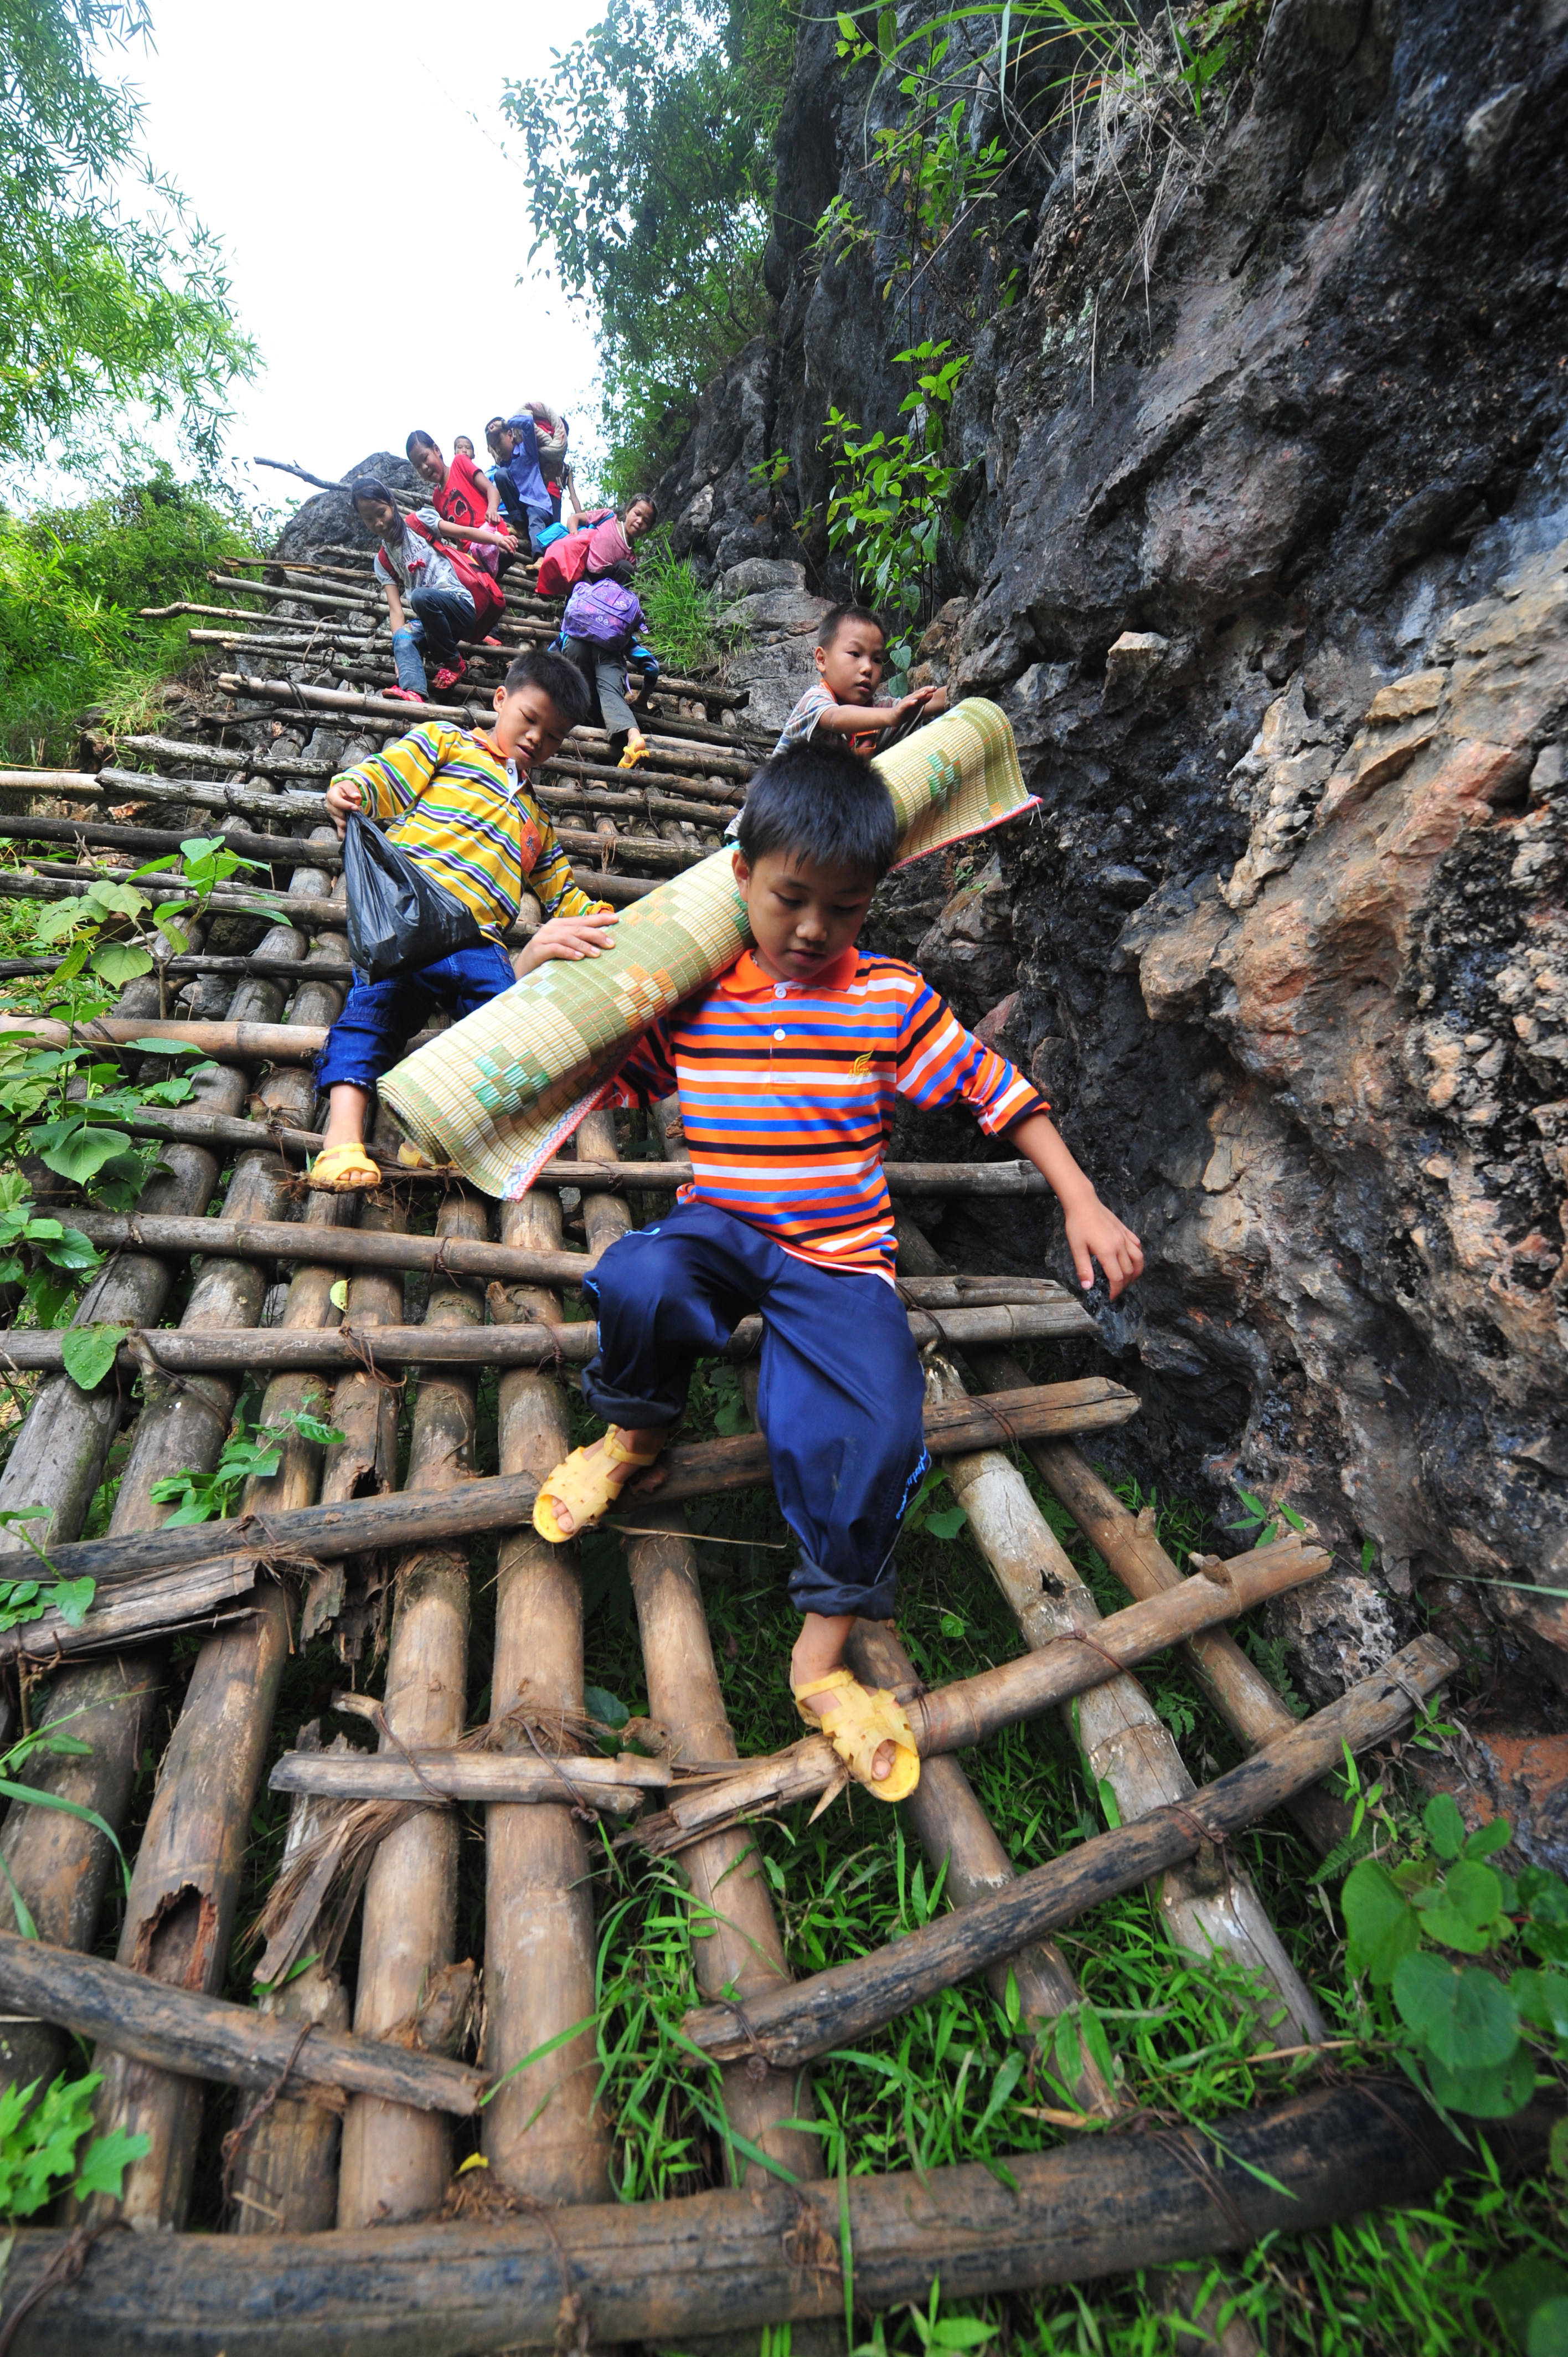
(441, 617)
(841, 1398)
(380, 1019)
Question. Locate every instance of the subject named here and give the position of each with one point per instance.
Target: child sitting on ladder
(461, 808)
(434, 598)
(788, 1068)
(852, 654)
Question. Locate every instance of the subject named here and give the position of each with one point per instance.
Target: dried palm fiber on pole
(544, 2133)
(180, 1917)
(396, 2163)
(1206, 1905)
(956, 1835)
(365, 1407)
(501, 1092)
(58, 1862)
(738, 1946)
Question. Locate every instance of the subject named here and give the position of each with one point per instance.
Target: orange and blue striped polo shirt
(463, 811)
(787, 1091)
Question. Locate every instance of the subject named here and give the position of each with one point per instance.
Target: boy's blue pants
(841, 1395)
(380, 1019)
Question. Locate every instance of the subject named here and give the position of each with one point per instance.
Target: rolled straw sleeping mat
(502, 1091)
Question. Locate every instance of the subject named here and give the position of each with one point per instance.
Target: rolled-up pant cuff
(632, 1412)
(812, 1590)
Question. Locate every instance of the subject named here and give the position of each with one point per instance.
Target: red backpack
(488, 602)
(562, 564)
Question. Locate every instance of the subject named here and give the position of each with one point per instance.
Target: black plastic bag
(399, 916)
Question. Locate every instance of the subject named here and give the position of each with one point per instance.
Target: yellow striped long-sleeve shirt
(464, 811)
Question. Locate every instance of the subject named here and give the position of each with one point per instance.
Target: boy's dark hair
(824, 805)
(557, 678)
(369, 486)
(836, 617)
(419, 440)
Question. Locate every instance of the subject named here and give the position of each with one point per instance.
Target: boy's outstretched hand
(1093, 1233)
(566, 936)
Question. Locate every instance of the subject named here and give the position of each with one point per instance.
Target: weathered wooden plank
(205, 2036)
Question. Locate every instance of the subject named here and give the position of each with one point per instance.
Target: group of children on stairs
(788, 1068)
(441, 566)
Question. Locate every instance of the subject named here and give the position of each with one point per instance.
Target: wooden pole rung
(505, 1501)
(206, 2037)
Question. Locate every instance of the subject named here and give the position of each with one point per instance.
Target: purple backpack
(602, 612)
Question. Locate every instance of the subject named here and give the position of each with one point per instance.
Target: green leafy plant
(47, 2147)
(250, 1452)
(682, 616)
(890, 497)
(29, 1598)
(101, 306)
(41, 1254)
(73, 581)
(925, 1513)
(1465, 2033)
(1267, 1520)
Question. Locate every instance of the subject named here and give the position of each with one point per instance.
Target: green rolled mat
(501, 1092)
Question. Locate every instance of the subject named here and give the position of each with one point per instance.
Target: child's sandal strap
(343, 1170)
(857, 1724)
(585, 1486)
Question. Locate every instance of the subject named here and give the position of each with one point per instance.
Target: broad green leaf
(164, 1047)
(1466, 2016)
(951, 1625)
(1444, 1825)
(118, 963)
(1494, 2094)
(1381, 1926)
(73, 1599)
(81, 1152)
(105, 2161)
(1495, 1835)
(339, 1297)
(1548, 2333)
(607, 1708)
(1465, 1909)
(947, 1524)
(1542, 2000)
(1518, 2290)
(89, 1353)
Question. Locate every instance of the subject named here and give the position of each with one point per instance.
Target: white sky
(349, 153)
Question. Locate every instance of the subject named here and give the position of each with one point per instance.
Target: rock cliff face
(1263, 541)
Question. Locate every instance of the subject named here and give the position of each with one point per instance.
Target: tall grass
(682, 616)
(71, 582)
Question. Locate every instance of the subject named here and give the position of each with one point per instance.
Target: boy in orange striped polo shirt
(788, 1068)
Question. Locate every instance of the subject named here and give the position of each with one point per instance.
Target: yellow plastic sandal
(636, 751)
(863, 1718)
(343, 1170)
(410, 1157)
(585, 1486)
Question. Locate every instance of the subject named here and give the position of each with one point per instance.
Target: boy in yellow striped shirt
(459, 806)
